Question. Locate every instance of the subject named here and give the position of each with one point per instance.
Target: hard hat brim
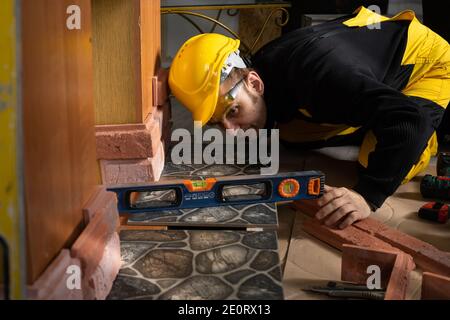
(206, 111)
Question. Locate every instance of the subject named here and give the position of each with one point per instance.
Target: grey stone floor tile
(198, 264)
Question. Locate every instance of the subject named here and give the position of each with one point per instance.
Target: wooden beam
(126, 42)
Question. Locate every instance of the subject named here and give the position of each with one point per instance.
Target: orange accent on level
(294, 188)
(208, 184)
(314, 186)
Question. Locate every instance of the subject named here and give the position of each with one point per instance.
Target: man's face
(248, 109)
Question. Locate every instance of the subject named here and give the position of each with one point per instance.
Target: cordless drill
(443, 164)
(434, 211)
(437, 187)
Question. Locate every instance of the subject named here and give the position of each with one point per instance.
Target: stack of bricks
(135, 153)
(377, 238)
(87, 269)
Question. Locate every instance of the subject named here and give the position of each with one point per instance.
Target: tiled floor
(202, 264)
(198, 264)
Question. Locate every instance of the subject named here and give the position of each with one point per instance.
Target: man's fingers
(349, 220)
(339, 214)
(327, 188)
(330, 207)
(330, 195)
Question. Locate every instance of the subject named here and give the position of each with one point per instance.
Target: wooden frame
(58, 116)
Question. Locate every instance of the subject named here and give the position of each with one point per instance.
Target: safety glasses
(225, 102)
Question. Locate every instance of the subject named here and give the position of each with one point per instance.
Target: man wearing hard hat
(384, 85)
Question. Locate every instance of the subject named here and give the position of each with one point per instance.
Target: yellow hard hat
(194, 76)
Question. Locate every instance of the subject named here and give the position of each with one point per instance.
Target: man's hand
(342, 204)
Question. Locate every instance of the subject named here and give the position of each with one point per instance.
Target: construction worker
(383, 83)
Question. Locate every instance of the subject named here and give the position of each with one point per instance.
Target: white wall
(176, 30)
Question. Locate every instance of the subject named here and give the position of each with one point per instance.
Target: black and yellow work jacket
(348, 76)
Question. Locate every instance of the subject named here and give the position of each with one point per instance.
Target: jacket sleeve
(402, 125)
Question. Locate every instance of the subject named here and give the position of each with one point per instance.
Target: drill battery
(443, 164)
(434, 211)
(435, 187)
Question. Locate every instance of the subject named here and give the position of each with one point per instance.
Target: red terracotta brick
(134, 141)
(350, 235)
(101, 200)
(425, 255)
(120, 142)
(89, 246)
(395, 269)
(356, 260)
(399, 280)
(435, 287)
(133, 171)
(126, 171)
(99, 284)
(371, 226)
(53, 283)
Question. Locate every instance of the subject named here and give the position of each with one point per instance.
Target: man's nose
(230, 125)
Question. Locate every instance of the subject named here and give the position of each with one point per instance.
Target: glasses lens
(225, 101)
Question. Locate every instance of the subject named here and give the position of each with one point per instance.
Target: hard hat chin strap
(234, 60)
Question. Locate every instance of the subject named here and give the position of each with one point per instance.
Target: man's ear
(255, 82)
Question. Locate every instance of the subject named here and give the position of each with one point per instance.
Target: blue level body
(218, 191)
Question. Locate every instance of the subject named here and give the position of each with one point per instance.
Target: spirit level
(212, 192)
